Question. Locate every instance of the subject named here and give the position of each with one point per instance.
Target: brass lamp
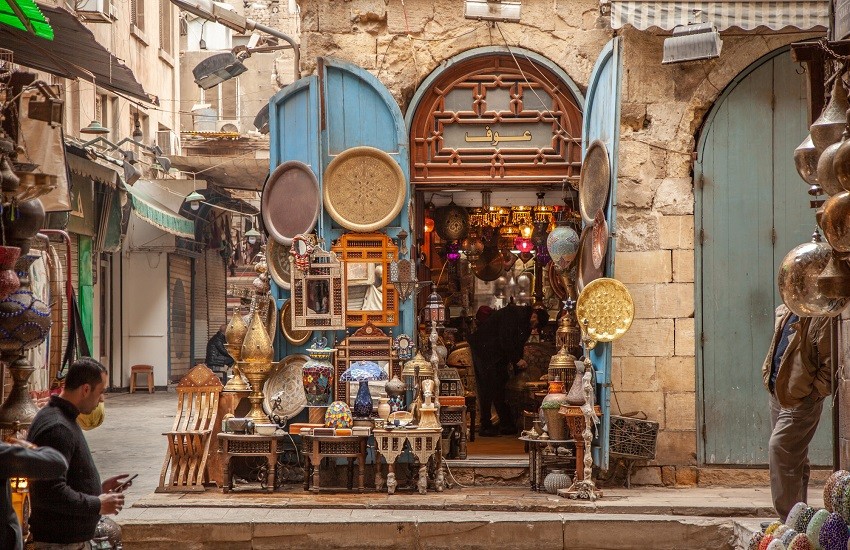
(235, 336)
(256, 354)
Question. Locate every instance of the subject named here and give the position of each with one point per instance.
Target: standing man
(218, 360)
(798, 374)
(65, 510)
(23, 459)
(498, 342)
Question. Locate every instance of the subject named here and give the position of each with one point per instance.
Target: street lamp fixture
(252, 235)
(194, 199)
(215, 69)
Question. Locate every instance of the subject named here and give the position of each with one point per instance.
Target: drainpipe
(216, 12)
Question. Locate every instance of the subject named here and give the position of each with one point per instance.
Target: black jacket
(500, 339)
(65, 510)
(217, 355)
(41, 463)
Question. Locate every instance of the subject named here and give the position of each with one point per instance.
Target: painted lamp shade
(363, 372)
(338, 415)
(562, 244)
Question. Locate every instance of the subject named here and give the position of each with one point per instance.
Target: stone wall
(663, 107)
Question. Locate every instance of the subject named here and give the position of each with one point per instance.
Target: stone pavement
(130, 441)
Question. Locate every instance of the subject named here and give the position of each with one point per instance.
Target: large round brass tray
(293, 336)
(595, 181)
(290, 201)
(364, 189)
(285, 377)
(277, 258)
(605, 310)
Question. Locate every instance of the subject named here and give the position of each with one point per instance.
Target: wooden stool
(147, 370)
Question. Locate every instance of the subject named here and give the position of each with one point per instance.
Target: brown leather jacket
(805, 370)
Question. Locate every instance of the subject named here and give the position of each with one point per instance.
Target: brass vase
(256, 355)
(18, 410)
(234, 335)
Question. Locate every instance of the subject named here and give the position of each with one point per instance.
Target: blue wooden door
(751, 209)
(602, 121)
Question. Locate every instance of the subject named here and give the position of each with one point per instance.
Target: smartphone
(124, 483)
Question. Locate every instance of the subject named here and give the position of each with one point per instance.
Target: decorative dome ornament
(797, 280)
(451, 222)
(827, 129)
(562, 243)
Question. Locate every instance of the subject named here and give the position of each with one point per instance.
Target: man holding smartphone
(65, 510)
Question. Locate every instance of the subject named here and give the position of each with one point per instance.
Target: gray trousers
(788, 452)
(56, 546)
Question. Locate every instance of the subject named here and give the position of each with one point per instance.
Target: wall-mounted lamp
(692, 43)
(137, 129)
(492, 10)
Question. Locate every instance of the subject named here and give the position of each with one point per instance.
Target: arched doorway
(751, 209)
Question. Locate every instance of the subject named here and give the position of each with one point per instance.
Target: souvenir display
(609, 306)
(451, 222)
(797, 280)
(290, 202)
(599, 239)
(301, 250)
(256, 356)
(318, 293)
(833, 534)
(404, 347)
(829, 486)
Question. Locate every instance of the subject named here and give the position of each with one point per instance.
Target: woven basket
(633, 438)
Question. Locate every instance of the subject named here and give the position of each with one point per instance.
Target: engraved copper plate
(605, 310)
(293, 336)
(285, 379)
(599, 246)
(277, 258)
(595, 181)
(586, 271)
(290, 201)
(364, 189)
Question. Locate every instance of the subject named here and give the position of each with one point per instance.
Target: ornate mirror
(370, 298)
(318, 294)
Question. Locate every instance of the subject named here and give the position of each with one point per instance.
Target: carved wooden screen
(361, 254)
(486, 122)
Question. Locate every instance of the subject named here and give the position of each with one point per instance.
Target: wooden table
(268, 446)
(536, 467)
(423, 444)
(351, 447)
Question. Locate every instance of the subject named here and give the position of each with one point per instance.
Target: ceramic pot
(384, 408)
(24, 319)
(21, 224)
(317, 375)
(556, 423)
(363, 402)
(556, 479)
(395, 387)
(9, 281)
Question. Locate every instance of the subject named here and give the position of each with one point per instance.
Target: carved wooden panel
(366, 258)
(486, 122)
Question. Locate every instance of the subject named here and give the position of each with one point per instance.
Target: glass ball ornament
(562, 243)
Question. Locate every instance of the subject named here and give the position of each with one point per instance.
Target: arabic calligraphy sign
(484, 121)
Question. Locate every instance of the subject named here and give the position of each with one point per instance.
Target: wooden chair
(184, 469)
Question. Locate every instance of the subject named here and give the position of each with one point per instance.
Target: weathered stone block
(637, 229)
(647, 338)
(674, 300)
(334, 16)
(643, 296)
(647, 475)
(640, 161)
(668, 476)
(676, 374)
(636, 194)
(685, 341)
(683, 266)
(653, 266)
(633, 116)
(675, 196)
(649, 402)
(676, 232)
(687, 476)
(638, 374)
(675, 447)
(680, 411)
(412, 16)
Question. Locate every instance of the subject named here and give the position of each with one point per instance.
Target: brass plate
(364, 189)
(277, 258)
(586, 272)
(607, 307)
(595, 181)
(290, 201)
(285, 376)
(599, 246)
(293, 336)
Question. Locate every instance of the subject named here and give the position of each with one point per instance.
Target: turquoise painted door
(751, 209)
(602, 121)
(319, 117)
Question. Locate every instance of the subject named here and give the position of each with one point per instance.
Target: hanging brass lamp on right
(827, 129)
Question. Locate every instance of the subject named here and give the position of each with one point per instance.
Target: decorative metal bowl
(797, 280)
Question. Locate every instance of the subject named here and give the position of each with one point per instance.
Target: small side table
(230, 445)
(453, 421)
(536, 468)
(421, 443)
(352, 447)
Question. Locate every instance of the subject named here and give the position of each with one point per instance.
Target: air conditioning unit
(227, 126)
(96, 11)
(169, 142)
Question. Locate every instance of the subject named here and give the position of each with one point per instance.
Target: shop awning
(82, 166)
(746, 15)
(157, 214)
(73, 51)
(243, 172)
(24, 15)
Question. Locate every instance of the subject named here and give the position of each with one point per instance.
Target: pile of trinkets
(807, 528)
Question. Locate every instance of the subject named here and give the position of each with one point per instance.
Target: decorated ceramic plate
(364, 189)
(595, 181)
(290, 201)
(277, 258)
(284, 381)
(293, 336)
(607, 307)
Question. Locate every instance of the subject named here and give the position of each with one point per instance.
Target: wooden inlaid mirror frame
(318, 294)
(370, 297)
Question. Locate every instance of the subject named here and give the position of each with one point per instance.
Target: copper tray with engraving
(290, 201)
(277, 258)
(364, 189)
(595, 181)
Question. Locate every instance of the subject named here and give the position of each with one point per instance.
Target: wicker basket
(633, 438)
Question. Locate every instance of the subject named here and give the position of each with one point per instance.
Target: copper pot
(835, 221)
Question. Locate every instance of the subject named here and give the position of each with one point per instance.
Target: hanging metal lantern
(798, 276)
(435, 309)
